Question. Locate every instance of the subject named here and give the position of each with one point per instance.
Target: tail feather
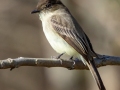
(95, 74)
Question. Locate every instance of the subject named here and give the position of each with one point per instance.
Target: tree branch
(51, 62)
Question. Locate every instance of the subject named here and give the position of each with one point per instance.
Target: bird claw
(13, 67)
(61, 61)
(72, 67)
(58, 57)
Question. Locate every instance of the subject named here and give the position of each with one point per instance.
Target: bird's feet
(72, 67)
(14, 67)
(60, 55)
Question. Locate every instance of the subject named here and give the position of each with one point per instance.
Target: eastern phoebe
(65, 34)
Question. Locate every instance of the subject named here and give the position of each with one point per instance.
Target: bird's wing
(65, 27)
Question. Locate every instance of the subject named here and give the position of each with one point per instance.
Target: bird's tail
(95, 74)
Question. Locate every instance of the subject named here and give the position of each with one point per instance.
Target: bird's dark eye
(48, 5)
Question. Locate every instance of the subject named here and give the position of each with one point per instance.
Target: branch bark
(52, 62)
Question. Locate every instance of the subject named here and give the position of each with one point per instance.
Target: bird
(65, 35)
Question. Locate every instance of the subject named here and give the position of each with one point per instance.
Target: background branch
(51, 62)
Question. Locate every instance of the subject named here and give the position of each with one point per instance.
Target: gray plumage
(65, 34)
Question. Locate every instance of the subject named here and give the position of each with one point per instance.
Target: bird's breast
(55, 40)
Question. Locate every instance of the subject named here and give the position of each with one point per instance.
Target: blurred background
(21, 35)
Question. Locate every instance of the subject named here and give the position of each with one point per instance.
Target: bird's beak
(35, 11)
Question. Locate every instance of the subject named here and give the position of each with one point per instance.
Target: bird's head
(44, 4)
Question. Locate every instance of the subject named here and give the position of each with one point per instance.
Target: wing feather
(64, 27)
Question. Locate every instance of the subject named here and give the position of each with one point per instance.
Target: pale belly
(61, 46)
